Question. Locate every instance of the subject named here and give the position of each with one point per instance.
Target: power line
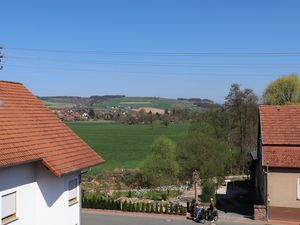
(159, 53)
(156, 64)
(122, 72)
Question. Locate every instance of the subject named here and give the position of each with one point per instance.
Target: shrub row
(97, 201)
(154, 208)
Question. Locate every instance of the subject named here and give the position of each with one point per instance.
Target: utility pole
(196, 179)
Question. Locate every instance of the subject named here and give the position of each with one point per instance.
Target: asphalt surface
(116, 219)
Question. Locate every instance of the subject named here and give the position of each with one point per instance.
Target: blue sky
(148, 26)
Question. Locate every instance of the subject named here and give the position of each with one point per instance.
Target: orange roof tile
(281, 156)
(280, 124)
(29, 132)
(280, 132)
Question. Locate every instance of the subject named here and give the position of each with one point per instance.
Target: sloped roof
(29, 132)
(281, 156)
(280, 132)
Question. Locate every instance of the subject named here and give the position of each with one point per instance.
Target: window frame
(12, 217)
(73, 200)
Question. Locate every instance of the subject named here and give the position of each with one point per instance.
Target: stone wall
(260, 212)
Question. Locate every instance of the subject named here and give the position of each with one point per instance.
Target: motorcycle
(203, 215)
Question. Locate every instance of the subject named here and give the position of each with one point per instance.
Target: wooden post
(196, 180)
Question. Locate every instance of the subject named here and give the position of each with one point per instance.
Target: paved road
(115, 219)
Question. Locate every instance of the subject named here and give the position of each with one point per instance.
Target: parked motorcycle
(203, 215)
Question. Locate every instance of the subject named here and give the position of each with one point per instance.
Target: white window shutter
(8, 205)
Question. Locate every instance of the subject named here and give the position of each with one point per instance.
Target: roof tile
(29, 131)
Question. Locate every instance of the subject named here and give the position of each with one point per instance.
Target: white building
(41, 161)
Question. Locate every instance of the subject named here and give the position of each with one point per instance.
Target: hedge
(98, 201)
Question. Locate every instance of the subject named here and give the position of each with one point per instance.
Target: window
(73, 192)
(298, 188)
(8, 208)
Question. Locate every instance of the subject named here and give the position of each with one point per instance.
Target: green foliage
(208, 190)
(204, 153)
(176, 210)
(171, 209)
(161, 209)
(92, 113)
(161, 167)
(129, 208)
(97, 201)
(143, 208)
(284, 90)
(160, 195)
(152, 208)
(125, 206)
(147, 207)
(242, 109)
(156, 208)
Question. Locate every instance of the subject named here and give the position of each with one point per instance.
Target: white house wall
(42, 198)
(20, 179)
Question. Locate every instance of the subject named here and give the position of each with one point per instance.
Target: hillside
(109, 101)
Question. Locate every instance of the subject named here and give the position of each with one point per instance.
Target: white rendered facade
(41, 197)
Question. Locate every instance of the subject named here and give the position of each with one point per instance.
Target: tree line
(220, 140)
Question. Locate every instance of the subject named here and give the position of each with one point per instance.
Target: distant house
(41, 161)
(278, 167)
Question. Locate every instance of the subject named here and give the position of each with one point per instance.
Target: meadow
(137, 102)
(124, 146)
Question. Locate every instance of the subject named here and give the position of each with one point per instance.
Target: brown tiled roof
(280, 131)
(29, 132)
(281, 156)
(280, 124)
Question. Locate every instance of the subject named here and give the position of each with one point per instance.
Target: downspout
(267, 197)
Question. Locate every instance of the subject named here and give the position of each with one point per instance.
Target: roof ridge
(10, 82)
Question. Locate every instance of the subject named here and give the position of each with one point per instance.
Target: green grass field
(137, 102)
(59, 105)
(124, 146)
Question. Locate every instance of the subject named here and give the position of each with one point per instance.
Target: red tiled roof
(281, 156)
(280, 125)
(280, 132)
(29, 132)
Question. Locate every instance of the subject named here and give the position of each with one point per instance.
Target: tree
(151, 118)
(161, 167)
(92, 113)
(203, 152)
(165, 120)
(284, 90)
(242, 109)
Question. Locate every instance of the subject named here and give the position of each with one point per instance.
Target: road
(117, 219)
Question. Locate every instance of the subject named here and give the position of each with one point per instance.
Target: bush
(137, 208)
(143, 207)
(129, 208)
(176, 210)
(156, 208)
(171, 209)
(147, 207)
(208, 190)
(161, 209)
(124, 208)
(152, 208)
(97, 201)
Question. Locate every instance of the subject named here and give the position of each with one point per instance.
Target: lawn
(124, 146)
